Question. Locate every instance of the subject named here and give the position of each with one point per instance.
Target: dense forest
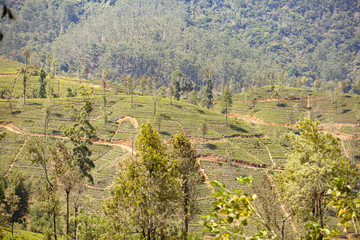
(243, 41)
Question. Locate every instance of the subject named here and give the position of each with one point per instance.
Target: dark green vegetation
(242, 41)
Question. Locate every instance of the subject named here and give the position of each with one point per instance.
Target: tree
(227, 102)
(145, 192)
(157, 120)
(129, 85)
(27, 55)
(12, 204)
(177, 91)
(18, 185)
(42, 84)
(203, 129)
(80, 135)
(176, 78)
(207, 100)
(105, 76)
(315, 161)
(171, 93)
(143, 83)
(23, 71)
(38, 154)
(182, 151)
(193, 98)
(66, 172)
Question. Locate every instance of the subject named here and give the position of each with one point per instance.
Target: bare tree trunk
(186, 206)
(76, 214)
(67, 212)
(320, 217)
(54, 222)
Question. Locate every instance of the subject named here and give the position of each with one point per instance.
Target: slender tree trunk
(54, 222)
(10, 106)
(170, 100)
(186, 206)
(320, 217)
(155, 106)
(226, 116)
(67, 212)
(24, 89)
(132, 100)
(203, 140)
(12, 225)
(76, 224)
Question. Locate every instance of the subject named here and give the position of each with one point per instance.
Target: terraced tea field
(251, 144)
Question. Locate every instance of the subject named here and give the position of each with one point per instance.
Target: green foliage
(42, 82)
(182, 151)
(207, 100)
(90, 227)
(177, 91)
(231, 213)
(345, 199)
(315, 232)
(314, 162)
(145, 193)
(80, 135)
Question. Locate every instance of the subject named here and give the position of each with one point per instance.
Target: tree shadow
(165, 133)
(237, 128)
(211, 146)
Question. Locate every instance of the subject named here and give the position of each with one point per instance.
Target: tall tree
(12, 204)
(145, 192)
(315, 161)
(38, 154)
(177, 91)
(171, 93)
(203, 129)
(81, 134)
(182, 151)
(27, 55)
(105, 76)
(129, 85)
(23, 71)
(42, 84)
(176, 77)
(66, 172)
(227, 102)
(208, 96)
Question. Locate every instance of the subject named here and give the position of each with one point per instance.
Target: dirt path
(8, 75)
(205, 177)
(344, 150)
(16, 156)
(88, 84)
(235, 162)
(132, 120)
(124, 144)
(325, 127)
(308, 106)
(281, 99)
(270, 156)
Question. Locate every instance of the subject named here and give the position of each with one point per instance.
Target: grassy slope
(237, 142)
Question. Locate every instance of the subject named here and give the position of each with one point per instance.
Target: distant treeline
(242, 41)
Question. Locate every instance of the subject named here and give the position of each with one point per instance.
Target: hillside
(252, 144)
(242, 41)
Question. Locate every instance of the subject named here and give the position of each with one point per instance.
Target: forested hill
(242, 41)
